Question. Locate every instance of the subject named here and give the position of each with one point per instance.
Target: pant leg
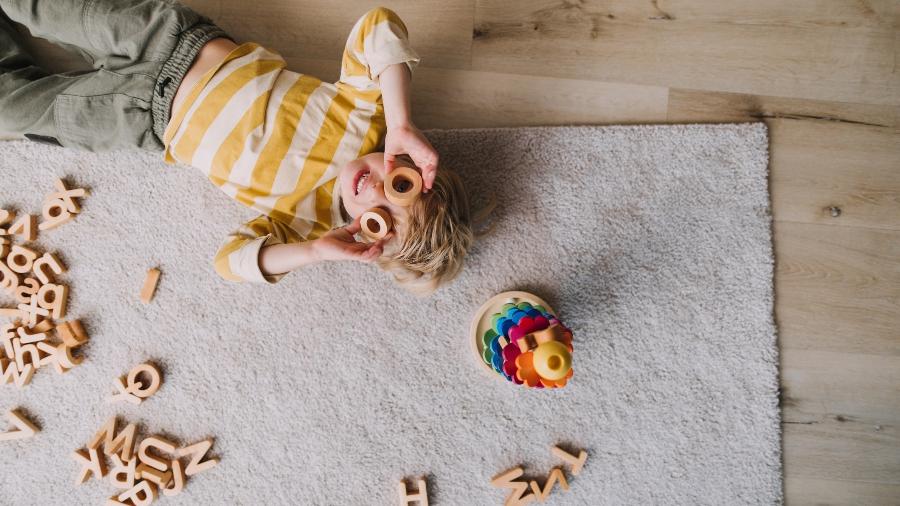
(108, 33)
(117, 107)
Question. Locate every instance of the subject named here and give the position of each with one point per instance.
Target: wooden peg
(123, 393)
(139, 388)
(197, 451)
(68, 196)
(142, 494)
(576, 462)
(6, 217)
(25, 227)
(54, 213)
(161, 444)
(31, 311)
(11, 373)
(22, 427)
(177, 484)
(149, 285)
(54, 298)
(47, 261)
(29, 287)
(421, 496)
(555, 475)
(91, 464)
(123, 474)
(507, 479)
(121, 443)
(27, 338)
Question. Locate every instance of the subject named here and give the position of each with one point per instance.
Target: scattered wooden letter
(197, 451)
(149, 285)
(22, 427)
(421, 496)
(576, 462)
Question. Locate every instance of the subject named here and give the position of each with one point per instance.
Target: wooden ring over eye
(376, 223)
(403, 186)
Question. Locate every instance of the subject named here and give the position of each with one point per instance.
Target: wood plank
(835, 173)
(696, 106)
(837, 288)
(842, 451)
(802, 491)
(440, 31)
(449, 98)
(813, 49)
(819, 387)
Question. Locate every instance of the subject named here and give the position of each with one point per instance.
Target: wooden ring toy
(552, 360)
(403, 186)
(482, 320)
(376, 223)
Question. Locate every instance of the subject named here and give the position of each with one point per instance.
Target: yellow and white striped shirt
(275, 140)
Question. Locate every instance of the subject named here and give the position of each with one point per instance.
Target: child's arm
(337, 244)
(403, 137)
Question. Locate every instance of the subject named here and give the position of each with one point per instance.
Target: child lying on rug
(303, 153)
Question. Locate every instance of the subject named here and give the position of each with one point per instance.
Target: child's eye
(403, 186)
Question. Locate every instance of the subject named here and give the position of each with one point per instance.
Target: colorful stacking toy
(524, 342)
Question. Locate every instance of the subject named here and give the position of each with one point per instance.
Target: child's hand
(409, 140)
(339, 244)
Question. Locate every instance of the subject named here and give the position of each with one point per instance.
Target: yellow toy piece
(552, 360)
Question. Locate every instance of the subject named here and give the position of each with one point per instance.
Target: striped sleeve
(238, 259)
(378, 40)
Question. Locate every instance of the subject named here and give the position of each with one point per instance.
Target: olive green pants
(139, 50)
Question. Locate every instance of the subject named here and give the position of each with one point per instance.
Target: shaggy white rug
(652, 243)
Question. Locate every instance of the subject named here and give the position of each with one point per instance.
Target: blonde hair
(439, 230)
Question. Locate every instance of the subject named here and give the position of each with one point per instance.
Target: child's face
(366, 174)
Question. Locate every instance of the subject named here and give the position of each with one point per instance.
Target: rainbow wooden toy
(518, 337)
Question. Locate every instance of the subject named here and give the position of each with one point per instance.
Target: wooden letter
(54, 298)
(91, 464)
(6, 217)
(421, 496)
(54, 214)
(160, 478)
(576, 462)
(197, 451)
(68, 196)
(24, 293)
(138, 388)
(177, 483)
(160, 444)
(48, 260)
(149, 285)
(9, 280)
(123, 393)
(32, 310)
(123, 474)
(12, 374)
(507, 479)
(141, 494)
(555, 475)
(22, 427)
(123, 443)
(28, 349)
(25, 227)
(27, 338)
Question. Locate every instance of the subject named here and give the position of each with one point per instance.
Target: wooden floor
(823, 74)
